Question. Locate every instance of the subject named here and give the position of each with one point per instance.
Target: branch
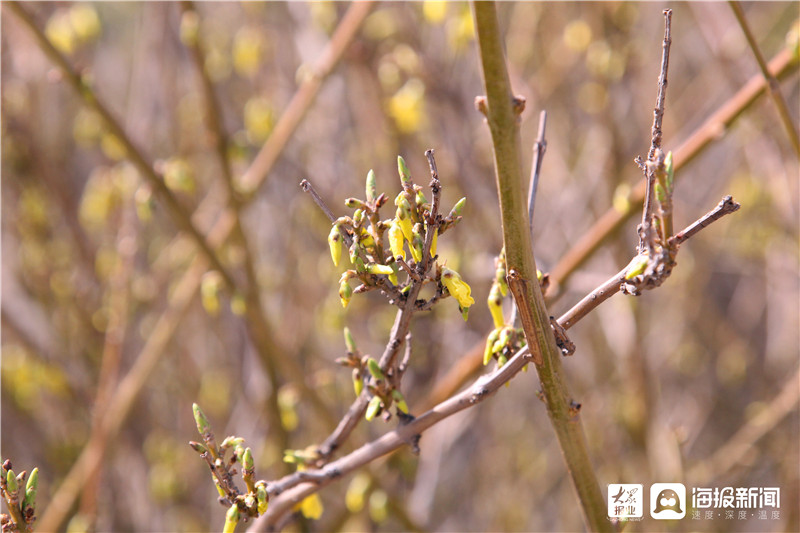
(772, 83)
(711, 130)
(646, 230)
(503, 124)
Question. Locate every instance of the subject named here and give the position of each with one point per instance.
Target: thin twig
(772, 83)
(539, 148)
(433, 218)
(646, 230)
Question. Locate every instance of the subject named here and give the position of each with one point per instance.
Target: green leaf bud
(420, 199)
(661, 194)
(220, 490)
(457, 209)
(349, 342)
(501, 360)
(231, 441)
(345, 293)
(203, 427)
(670, 169)
(490, 340)
(393, 275)
(358, 382)
(358, 217)
(375, 369)
(31, 488)
(11, 482)
(637, 266)
(247, 460)
(354, 203)
(372, 186)
(199, 448)
(405, 175)
(262, 497)
(231, 519)
(500, 277)
(373, 408)
(417, 243)
(400, 401)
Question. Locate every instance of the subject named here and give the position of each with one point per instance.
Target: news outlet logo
(667, 501)
(625, 501)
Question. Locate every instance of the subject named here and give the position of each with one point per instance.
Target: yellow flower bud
(457, 288)
(335, 243)
(396, 240)
(374, 268)
(231, 519)
(495, 303)
(358, 382)
(345, 293)
(373, 408)
(400, 401)
(262, 498)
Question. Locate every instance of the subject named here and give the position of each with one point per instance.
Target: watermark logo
(625, 501)
(742, 503)
(667, 501)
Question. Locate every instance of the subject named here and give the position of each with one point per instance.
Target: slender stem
(539, 148)
(504, 128)
(772, 83)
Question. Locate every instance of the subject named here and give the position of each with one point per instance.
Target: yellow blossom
(457, 288)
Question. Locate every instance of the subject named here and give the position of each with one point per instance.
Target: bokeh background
(696, 382)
